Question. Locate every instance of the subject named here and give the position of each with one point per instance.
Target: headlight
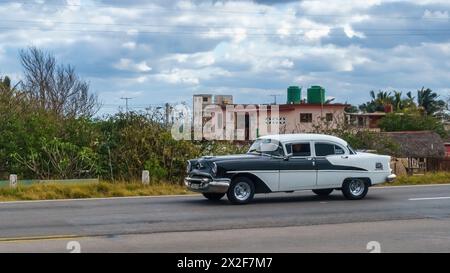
(188, 168)
(214, 168)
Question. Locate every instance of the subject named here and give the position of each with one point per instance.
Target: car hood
(230, 157)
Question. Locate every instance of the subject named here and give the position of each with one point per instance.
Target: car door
(299, 171)
(332, 164)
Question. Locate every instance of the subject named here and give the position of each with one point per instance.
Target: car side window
(338, 150)
(325, 149)
(301, 149)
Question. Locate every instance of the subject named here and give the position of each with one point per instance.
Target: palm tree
(398, 101)
(401, 103)
(378, 102)
(383, 98)
(408, 102)
(427, 99)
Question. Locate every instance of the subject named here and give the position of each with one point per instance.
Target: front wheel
(323, 192)
(355, 188)
(241, 191)
(213, 196)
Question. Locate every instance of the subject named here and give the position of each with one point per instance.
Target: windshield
(352, 151)
(267, 147)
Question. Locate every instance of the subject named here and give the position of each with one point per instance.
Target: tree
(351, 109)
(377, 102)
(5, 82)
(58, 159)
(411, 121)
(428, 99)
(400, 103)
(448, 103)
(56, 87)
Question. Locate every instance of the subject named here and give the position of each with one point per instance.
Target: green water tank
(316, 94)
(294, 95)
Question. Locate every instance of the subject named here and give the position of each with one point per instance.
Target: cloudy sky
(166, 51)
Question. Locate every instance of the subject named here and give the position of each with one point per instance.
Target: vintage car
(288, 163)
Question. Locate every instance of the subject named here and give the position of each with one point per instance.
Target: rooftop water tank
(316, 94)
(294, 95)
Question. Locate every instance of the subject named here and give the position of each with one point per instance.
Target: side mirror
(287, 157)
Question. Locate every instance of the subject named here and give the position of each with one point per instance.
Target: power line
(218, 9)
(37, 22)
(216, 34)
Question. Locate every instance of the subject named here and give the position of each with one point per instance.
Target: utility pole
(275, 98)
(126, 102)
(168, 109)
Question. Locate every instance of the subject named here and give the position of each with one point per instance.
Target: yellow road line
(38, 238)
(96, 199)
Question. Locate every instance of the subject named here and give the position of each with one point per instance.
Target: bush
(411, 121)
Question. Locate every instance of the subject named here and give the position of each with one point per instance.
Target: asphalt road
(411, 219)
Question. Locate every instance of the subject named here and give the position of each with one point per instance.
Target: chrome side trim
(253, 171)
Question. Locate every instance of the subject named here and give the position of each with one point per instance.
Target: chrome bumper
(391, 178)
(219, 185)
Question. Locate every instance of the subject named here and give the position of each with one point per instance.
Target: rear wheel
(323, 192)
(213, 196)
(241, 191)
(355, 188)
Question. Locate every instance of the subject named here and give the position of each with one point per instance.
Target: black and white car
(287, 163)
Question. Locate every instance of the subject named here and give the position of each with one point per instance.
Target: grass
(53, 191)
(428, 178)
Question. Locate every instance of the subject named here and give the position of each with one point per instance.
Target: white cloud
(286, 63)
(132, 32)
(351, 33)
(191, 76)
(234, 46)
(175, 76)
(435, 14)
(193, 60)
(129, 45)
(316, 34)
(337, 6)
(129, 65)
(73, 4)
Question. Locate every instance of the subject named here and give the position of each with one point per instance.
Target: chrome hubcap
(357, 187)
(242, 191)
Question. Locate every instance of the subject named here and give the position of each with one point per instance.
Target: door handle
(344, 157)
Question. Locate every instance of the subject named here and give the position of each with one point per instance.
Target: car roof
(305, 137)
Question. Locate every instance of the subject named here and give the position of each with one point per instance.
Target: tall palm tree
(379, 100)
(383, 98)
(408, 102)
(398, 101)
(428, 99)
